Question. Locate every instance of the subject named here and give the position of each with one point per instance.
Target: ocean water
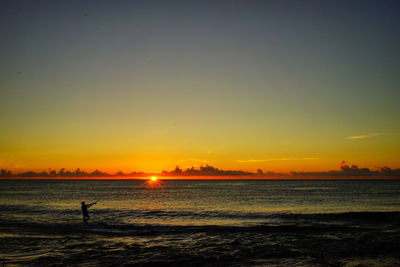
(201, 222)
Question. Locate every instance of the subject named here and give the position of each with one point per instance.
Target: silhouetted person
(85, 212)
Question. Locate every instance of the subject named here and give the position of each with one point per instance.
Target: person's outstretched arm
(91, 204)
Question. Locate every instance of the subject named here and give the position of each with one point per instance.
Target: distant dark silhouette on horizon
(354, 170)
(208, 170)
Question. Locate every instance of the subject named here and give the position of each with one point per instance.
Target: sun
(153, 183)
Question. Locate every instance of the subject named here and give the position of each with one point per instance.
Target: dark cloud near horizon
(354, 170)
(208, 170)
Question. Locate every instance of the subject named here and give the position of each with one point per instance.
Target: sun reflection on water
(154, 183)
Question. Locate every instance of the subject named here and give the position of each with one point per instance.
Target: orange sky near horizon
(280, 166)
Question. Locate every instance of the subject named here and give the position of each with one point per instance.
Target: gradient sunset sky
(147, 85)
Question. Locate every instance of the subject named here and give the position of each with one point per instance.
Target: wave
(383, 216)
(297, 239)
(145, 230)
(257, 217)
(301, 223)
(369, 216)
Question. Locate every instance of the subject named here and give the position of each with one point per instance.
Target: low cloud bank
(208, 170)
(354, 170)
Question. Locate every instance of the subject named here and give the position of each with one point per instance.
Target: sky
(148, 85)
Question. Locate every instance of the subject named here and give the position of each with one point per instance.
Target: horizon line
(206, 171)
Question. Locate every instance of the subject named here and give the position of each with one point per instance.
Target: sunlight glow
(153, 183)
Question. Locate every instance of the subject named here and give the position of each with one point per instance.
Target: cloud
(195, 160)
(356, 137)
(353, 170)
(274, 159)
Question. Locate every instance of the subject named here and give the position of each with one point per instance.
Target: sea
(200, 222)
